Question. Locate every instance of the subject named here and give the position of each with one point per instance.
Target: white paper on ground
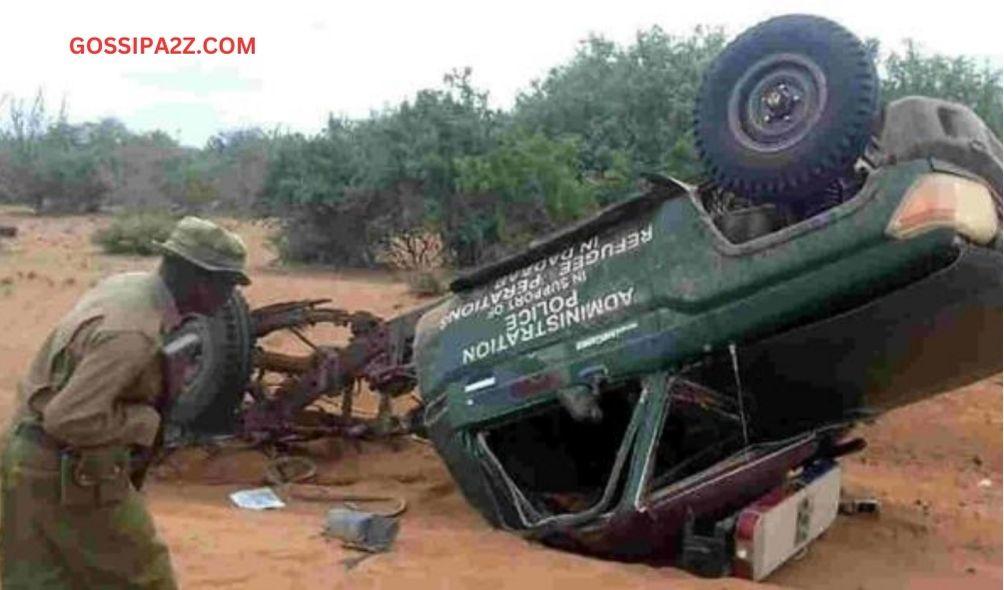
(257, 499)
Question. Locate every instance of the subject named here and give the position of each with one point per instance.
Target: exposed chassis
(284, 392)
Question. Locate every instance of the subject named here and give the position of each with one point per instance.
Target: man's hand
(179, 357)
(180, 360)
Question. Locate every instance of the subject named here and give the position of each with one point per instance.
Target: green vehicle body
(651, 286)
(669, 270)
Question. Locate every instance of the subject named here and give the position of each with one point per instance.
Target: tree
(55, 166)
(189, 181)
(241, 157)
(633, 102)
(140, 182)
(347, 193)
(527, 186)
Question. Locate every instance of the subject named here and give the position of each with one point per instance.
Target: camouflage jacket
(98, 373)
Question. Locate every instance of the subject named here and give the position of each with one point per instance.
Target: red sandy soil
(938, 528)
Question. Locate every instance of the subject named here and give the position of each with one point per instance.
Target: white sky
(349, 58)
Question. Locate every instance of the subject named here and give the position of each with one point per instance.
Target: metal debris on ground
(357, 529)
(286, 469)
(852, 506)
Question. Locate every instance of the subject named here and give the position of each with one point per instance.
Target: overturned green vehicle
(654, 369)
(625, 387)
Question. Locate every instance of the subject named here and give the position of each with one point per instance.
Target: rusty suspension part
(279, 362)
(374, 354)
(300, 314)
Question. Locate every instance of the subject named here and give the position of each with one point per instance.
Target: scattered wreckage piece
(327, 371)
(357, 529)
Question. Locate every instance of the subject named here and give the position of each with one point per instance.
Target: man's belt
(88, 477)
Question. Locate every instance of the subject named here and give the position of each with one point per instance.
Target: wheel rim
(775, 104)
(183, 408)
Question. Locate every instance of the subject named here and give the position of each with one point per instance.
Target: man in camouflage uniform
(71, 517)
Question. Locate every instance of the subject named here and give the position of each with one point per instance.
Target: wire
(739, 394)
(291, 485)
(317, 493)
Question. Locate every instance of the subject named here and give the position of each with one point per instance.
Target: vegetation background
(440, 179)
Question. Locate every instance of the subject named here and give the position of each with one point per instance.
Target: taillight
(945, 200)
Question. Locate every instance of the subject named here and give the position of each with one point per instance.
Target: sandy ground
(939, 527)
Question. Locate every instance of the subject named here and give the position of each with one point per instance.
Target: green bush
(55, 166)
(134, 233)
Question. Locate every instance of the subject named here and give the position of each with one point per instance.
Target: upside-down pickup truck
(629, 386)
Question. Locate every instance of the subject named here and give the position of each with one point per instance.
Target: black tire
(208, 405)
(786, 108)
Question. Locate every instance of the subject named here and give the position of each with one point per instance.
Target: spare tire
(786, 108)
(209, 402)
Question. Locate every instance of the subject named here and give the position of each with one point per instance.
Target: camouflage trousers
(45, 544)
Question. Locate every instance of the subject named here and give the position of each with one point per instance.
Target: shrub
(134, 233)
(415, 250)
(427, 283)
(528, 186)
(52, 165)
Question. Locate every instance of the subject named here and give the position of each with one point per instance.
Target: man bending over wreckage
(72, 516)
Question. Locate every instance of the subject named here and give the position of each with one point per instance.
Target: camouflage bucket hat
(209, 246)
